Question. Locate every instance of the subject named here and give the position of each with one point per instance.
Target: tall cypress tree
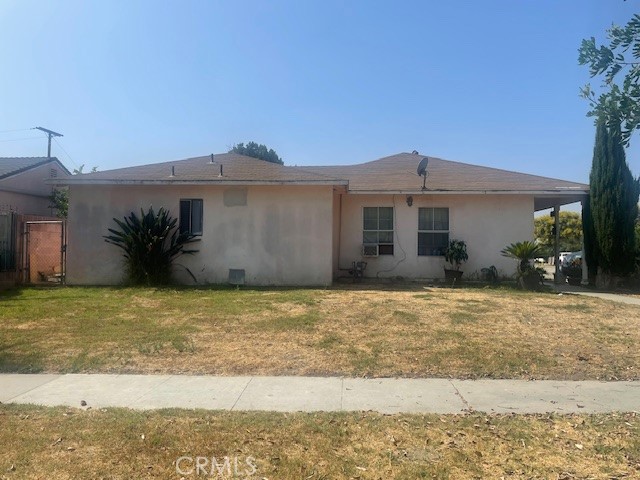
(613, 202)
(590, 244)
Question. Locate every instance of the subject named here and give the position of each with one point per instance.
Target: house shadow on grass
(341, 284)
(12, 362)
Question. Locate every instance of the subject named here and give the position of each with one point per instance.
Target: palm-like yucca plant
(150, 242)
(523, 251)
(528, 276)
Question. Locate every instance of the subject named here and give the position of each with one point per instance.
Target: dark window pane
(370, 237)
(441, 219)
(422, 243)
(386, 218)
(425, 219)
(185, 216)
(432, 244)
(378, 228)
(440, 242)
(385, 237)
(196, 217)
(370, 218)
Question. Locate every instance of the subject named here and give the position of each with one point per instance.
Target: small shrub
(529, 277)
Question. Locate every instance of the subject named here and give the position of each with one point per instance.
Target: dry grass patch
(466, 333)
(59, 443)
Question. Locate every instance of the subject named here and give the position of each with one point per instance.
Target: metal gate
(44, 252)
(7, 242)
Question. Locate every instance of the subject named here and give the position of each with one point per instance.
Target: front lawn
(351, 331)
(60, 443)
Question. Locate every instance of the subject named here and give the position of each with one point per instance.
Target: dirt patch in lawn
(416, 332)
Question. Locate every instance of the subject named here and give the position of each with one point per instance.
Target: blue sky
(322, 82)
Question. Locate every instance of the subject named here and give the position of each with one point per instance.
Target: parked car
(562, 256)
(571, 265)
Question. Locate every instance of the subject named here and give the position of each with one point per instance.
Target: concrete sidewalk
(333, 394)
(612, 297)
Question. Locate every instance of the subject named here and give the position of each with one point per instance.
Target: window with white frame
(378, 228)
(433, 231)
(191, 216)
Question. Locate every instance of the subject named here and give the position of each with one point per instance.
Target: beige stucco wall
(283, 236)
(24, 203)
(337, 199)
(487, 223)
(27, 192)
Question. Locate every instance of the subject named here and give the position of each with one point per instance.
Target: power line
(66, 153)
(18, 139)
(16, 130)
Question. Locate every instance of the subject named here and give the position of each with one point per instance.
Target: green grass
(304, 322)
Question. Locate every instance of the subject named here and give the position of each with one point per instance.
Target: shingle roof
(235, 169)
(397, 173)
(13, 165)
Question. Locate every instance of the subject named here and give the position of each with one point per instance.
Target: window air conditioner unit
(370, 250)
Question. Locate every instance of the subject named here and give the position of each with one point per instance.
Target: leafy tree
(59, 197)
(570, 232)
(619, 101)
(613, 204)
(150, 243)
(252, 149)
(59, 200)
(79, 170)
(590, 244)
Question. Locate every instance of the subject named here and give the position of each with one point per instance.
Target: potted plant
(529, 277)
(455, 254)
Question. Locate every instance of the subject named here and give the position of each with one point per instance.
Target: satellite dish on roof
(422, 166)
(422, 171)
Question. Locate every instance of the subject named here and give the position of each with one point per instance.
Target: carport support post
(556, 243)
(585, 267)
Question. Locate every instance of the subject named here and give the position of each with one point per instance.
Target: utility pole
(50, 133)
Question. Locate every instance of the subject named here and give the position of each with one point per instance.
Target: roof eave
(564, 191)
(35, 165)
(88, 181)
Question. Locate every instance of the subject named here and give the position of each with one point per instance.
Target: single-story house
(26, 249)
(22, 184)
(268, 224)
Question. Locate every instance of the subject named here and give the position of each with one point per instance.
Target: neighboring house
(30, 249)
(282, 225)
(22, 184)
